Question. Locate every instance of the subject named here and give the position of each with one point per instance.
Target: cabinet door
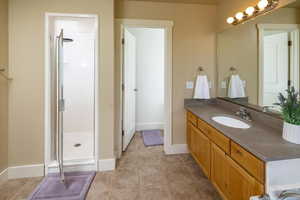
(241, 186)
(202, 150)
(188, 134)
(193, 140)
(219, 170)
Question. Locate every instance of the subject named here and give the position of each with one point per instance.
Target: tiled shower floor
(142, 174)
(78, 145)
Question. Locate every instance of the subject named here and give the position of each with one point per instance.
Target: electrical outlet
(190, 85)
(244, 83)
(210, 83)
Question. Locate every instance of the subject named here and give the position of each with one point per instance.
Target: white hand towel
(236, 87)
(202, 88)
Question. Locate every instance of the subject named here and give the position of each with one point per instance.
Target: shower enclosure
(71, 95)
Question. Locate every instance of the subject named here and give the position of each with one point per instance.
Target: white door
(129, 88)
(276, 66)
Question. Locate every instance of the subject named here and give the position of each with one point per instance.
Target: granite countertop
(262, 140)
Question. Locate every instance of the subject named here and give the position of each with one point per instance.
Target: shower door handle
(62, 105)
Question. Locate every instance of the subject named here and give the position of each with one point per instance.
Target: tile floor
(142, 174)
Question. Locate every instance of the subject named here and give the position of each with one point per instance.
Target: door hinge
(289, 83)
(123, 87)
(123, 41)
(123, 133)
(290, 43)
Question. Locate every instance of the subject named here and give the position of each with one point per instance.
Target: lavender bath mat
(76, 187)
(152, 137)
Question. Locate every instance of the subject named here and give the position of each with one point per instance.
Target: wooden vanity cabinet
(188, 134)
(200, 149)
(241, 185)
(235, 173)
(219, 170)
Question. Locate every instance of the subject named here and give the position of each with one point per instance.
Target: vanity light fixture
(230, 20)
(262, 4)
(262, 7)
(239, 16)
(250, 11)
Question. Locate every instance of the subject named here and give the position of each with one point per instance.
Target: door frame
(76, 165)
(122, 23)
(295, 30)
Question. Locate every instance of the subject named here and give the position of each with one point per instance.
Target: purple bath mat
(76, 187)
(152, 137)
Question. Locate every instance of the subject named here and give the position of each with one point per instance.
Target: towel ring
(2, 70)
(201, 70)
(233, 70)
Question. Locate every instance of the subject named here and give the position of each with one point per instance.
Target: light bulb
(230, 20)
(262, 4)
(239, 15)
(250, 10)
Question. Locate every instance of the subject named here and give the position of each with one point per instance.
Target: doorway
(145, 100)
(143, 83)
(71, 93)
(279, 61)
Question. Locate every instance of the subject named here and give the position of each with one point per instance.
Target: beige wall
(229, 8)
(26, 110)
(238, 47)
(3, 85)
(193, 45)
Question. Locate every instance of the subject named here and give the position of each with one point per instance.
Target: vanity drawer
(252, 164)
(220, 140)
(192, 118)
(203, 127)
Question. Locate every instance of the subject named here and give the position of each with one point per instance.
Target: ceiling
(183, 1)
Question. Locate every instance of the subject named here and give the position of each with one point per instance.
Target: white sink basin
(231, 122)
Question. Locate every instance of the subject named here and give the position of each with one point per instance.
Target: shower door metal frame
(50, 165)
(60, 104)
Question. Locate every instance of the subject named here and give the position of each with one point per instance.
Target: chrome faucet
(295, 194)
(267, 108)
(244, 114)
(264, 197)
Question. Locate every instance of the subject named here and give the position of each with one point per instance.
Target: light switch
(223, 84)
(244, 83)
(210, 84)
(190, 85)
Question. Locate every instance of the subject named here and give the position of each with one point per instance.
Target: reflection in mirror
(258, 59)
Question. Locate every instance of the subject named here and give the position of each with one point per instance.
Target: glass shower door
(60, 103)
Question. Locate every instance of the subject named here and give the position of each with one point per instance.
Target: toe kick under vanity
(241, 163)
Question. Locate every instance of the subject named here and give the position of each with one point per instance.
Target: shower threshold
(73, 165)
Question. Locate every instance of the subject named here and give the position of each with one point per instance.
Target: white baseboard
(38, 170)
(71, 166)
(176, 149)
(107, 165)
(26, 171)
(3, 176)
(149, 126)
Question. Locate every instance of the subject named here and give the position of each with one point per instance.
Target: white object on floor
(231, 122)
(78, 145)
(236, 87)
(202, 88)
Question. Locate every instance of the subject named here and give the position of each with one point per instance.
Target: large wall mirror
(260, 58)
